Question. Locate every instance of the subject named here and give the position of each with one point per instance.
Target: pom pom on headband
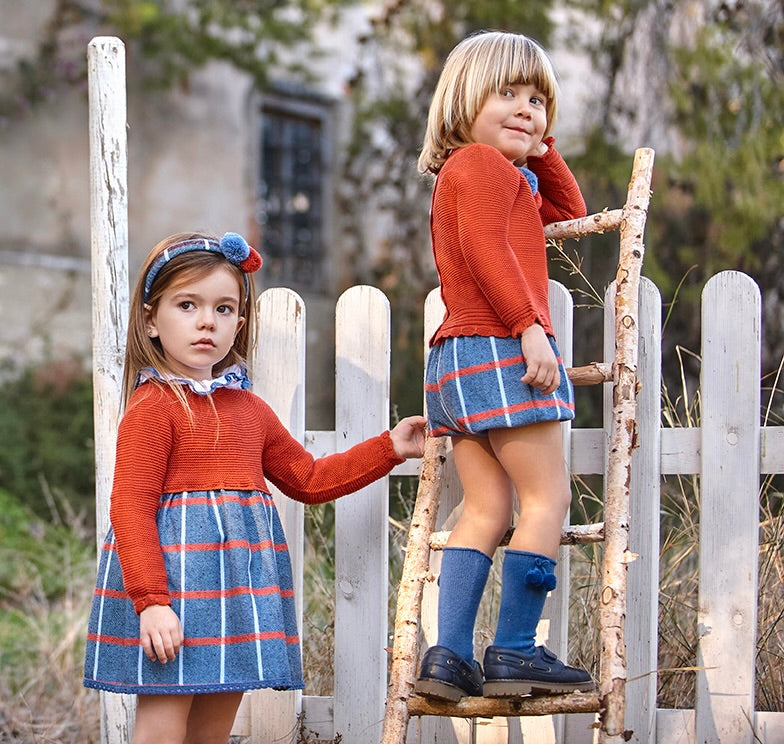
(232, 246)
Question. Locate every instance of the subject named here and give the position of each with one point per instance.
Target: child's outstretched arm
(294, 470)
(408, 437)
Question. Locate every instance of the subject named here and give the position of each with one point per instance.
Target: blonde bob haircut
(478, 66)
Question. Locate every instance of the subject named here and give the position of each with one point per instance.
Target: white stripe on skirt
(501, 388)
(455, 368)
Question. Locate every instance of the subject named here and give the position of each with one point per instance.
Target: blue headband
(232, 246)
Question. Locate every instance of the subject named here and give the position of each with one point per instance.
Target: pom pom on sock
(540, 576)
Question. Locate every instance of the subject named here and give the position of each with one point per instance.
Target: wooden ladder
(609, 699)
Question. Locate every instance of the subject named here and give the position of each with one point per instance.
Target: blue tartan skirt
(473, 384)
(230, 583)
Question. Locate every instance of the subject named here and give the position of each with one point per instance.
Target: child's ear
(240, 323)
(149, 322)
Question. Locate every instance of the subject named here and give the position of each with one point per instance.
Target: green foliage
(717, 193)
(732, 106)
(166, 42)
(36, 557)
(46, 427)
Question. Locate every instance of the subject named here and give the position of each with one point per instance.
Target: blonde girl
(495, 382)
(194, 603)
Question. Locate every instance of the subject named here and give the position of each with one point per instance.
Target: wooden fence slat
(641, 630)
(729, 509)
(554, 625)
(362, 354)
(278, 371)
(109, 260)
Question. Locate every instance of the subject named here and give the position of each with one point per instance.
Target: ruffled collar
(234, 377)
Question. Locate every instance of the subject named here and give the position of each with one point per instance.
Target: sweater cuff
(148, 600)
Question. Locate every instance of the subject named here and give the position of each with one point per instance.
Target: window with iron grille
(292, 192)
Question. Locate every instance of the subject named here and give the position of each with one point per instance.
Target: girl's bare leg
(528, 460)
(211, 717)
(533, 458)
(487, 496)
(161, 719)
(185, 719)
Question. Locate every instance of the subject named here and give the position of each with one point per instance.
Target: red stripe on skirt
(527, 406)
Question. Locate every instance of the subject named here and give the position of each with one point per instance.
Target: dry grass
(43, 700)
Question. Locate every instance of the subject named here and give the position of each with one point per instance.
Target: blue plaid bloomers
(473, 384)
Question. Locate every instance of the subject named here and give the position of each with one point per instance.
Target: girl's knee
(497, 519)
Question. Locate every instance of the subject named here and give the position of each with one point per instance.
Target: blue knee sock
(525, 580)
(461, 584)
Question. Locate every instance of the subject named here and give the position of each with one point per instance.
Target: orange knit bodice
(230, 440)
(487, 231)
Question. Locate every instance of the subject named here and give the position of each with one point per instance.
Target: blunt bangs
(496, 60)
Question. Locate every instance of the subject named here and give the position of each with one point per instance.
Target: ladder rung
(574, 534)
(480, 707)
(594, 373)
(601, 222)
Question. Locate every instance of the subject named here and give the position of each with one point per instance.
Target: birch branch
(409, 597)
(478, 707)
(591, 374)
(573, 534)
(612, 610)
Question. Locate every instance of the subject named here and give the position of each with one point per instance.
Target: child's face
(197, 321)
(513, 121)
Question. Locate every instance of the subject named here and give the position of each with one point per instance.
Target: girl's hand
(542, 372)
(160, 632)
(408, 437)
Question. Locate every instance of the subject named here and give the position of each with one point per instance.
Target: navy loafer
(509, 673)
(447, 676)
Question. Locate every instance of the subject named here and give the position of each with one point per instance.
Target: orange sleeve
(144, 442)
(302, 477)
(561, 196)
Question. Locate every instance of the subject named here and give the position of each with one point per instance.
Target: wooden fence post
(642, 604)
(109, 248)
(645, 486)
(436, 728)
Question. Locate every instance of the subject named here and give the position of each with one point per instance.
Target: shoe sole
(441, 690)
(517, 688)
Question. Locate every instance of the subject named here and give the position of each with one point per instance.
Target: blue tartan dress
(226, 561)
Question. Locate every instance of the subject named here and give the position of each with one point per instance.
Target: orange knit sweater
(487, 231)
(238, 445)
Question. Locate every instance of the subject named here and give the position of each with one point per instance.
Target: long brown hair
(142, 351)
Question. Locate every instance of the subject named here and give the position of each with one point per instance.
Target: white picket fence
(729, 451)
